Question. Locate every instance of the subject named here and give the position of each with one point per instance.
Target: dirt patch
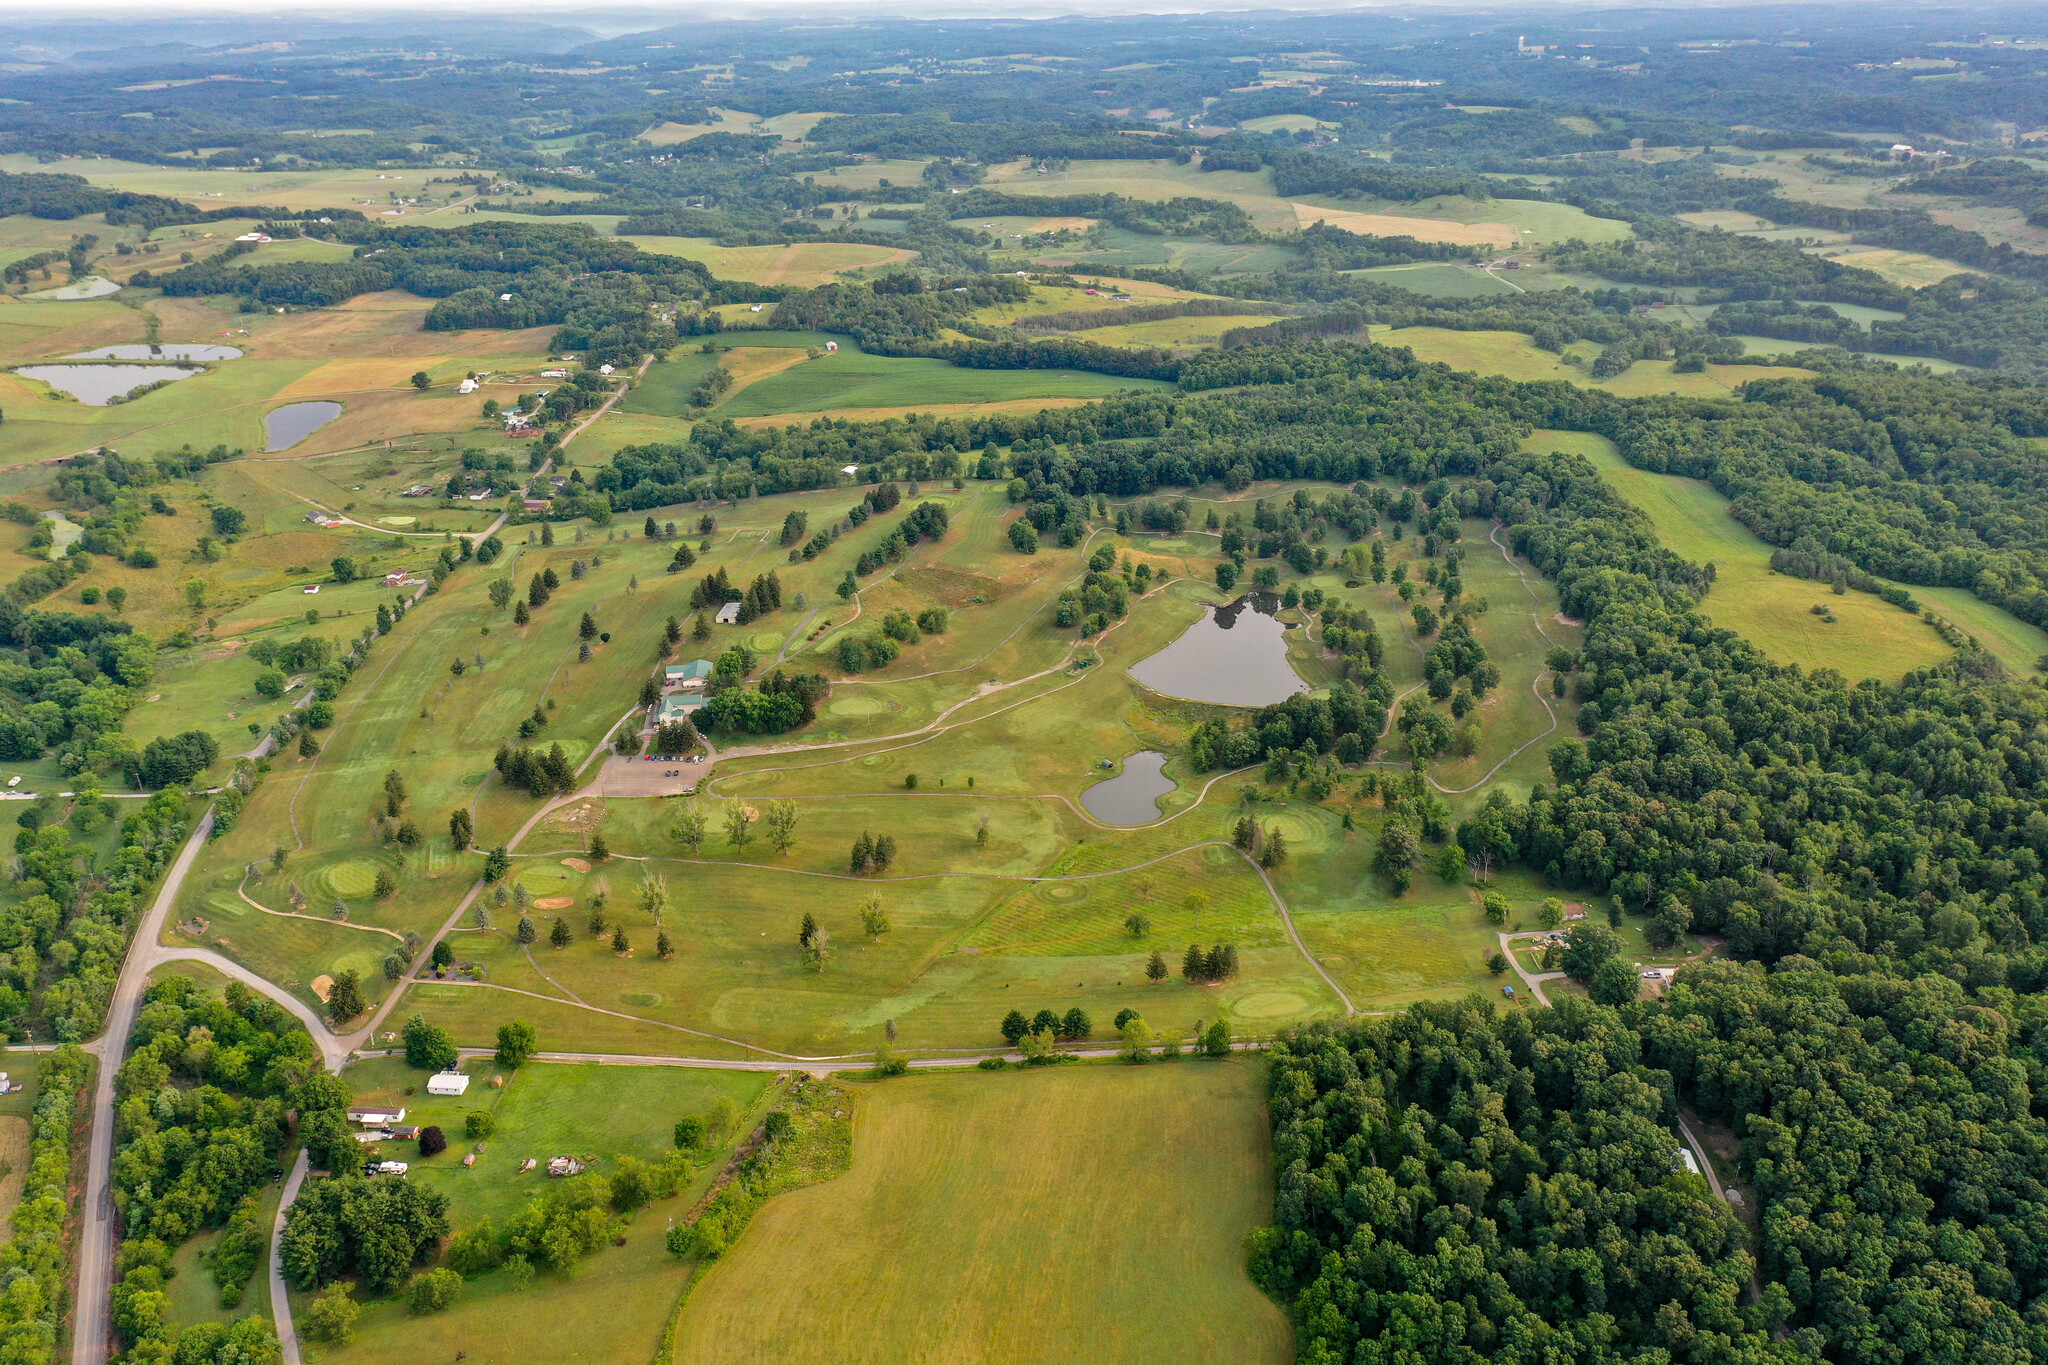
(554, 902)
(323, 986)
(575, 864)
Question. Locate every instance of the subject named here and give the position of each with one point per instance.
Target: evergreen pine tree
(619, 943)
(1155, 970)
(559, 935)
(1193, 964)
(527, 933)
(863, 853)
(663, 949)
(808, 931)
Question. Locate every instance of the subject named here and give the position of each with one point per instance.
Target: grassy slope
(958, 1213)
(1871, 639)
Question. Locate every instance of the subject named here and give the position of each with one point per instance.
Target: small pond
(92, 287)
(1236, 655)
(285, 427)
(99, 385)
(176, 350)
(1132, 796)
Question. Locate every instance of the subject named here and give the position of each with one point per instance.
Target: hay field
(1772, 610)
(960, 1213)
(807, 264)
(1401, 225)
(1911, 269)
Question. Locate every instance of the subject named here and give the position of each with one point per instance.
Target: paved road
(89, 1341)
(280, 1301)
(1533, 980)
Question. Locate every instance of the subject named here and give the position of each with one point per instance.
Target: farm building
(447, 1083)
(729, 614)
(689, 676)
(376, 1116)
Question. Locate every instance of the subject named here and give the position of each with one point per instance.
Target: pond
(1132, 796)
(176, 350)
(1236, 655)
(91, 287)
(285, 427)
(99, 385)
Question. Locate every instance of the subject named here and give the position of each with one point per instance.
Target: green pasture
(957, 1213)
(666, 387)
(1869, 638)
(544, 1109)
(1438, 279)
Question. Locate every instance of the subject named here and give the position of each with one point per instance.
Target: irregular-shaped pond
(91, 287)
(175, 350)
(285, 427)
(1132, 796)
(99, 385)
(1236, 655)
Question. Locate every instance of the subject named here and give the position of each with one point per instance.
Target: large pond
(1132, 796)
(176, 350)
(1236, 655)
(285, 427)
(99, 385)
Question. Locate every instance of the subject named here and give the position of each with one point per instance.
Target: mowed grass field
(803, 264)
(1870, 638)
(962, 1213)
(850, 379)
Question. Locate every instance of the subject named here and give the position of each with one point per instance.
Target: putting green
(350, 877)
(645, 1000)
(364, 964)
(1061, 891)
(1270, 1005)
(542, 879)
(856, 706)
(761, 641)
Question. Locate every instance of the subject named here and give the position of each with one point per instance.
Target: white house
(376, 1116)
(604, 369)
(554, 374)
(466, 386)
(831, 346)
(447, 1083)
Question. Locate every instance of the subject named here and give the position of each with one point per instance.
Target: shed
(447, 1083)
(729, 614)
(564, 1165)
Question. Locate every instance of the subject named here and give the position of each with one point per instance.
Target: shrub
(433, 1290)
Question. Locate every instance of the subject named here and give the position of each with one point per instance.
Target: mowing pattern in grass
(1209, 896)
(958, 1214)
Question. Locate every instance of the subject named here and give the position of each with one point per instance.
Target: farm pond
(1236, 655)
(1132, 796)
